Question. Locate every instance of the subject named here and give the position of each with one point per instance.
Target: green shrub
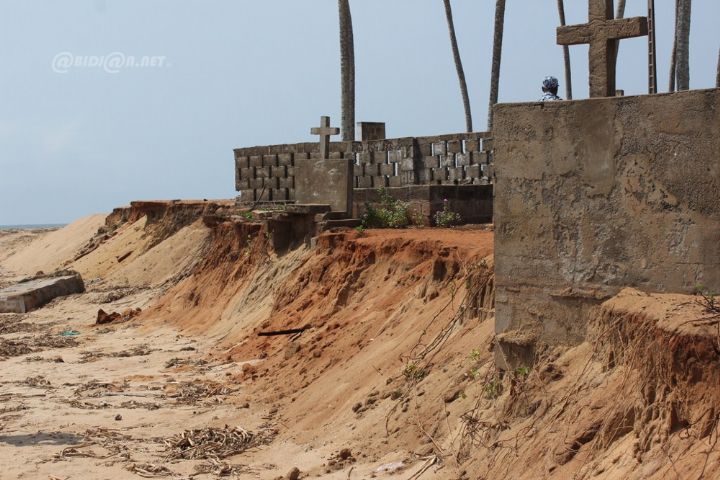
(414, 372)
(390, 213)
(493, 388)
(446, 217)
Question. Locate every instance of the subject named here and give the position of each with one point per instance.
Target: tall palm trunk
(347, 70)
(459, 67)
(619, 13)
(566, 53)
(717, 78)
(683, 46)
(673, 55)
(496, 58)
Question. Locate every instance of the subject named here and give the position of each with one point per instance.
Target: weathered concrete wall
(594, 195)
(268, 173)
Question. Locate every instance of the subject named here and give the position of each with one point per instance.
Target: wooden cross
(602, 32)
(325, 131)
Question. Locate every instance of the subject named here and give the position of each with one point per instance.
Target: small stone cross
(325, 131)
(602, 32)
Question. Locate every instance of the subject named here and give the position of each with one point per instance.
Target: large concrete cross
(325, 131)
(602, 32)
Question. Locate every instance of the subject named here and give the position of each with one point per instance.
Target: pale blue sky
(250, 72)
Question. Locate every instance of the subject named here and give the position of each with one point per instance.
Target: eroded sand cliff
(393, 374)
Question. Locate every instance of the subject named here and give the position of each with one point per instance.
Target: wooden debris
(291, 331)
(149, 470)
(214, 443)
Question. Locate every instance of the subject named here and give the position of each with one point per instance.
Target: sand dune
(50, 251)
(163, 261)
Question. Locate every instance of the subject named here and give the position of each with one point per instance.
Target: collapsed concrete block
(33, 294)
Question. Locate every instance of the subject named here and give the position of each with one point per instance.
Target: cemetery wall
(267, 173)
(595, 195)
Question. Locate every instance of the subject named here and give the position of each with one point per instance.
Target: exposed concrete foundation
(599, 194)
(26, 296)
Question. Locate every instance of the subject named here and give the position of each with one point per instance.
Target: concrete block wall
(267, 173)
(595, 195)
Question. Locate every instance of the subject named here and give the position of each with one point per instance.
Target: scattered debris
(149, 470)
(16, 408)
(69, 333)
(390, 467)
(192, 392)
(137, 351)
(104, 318)
(341, 459)
(214, 443)
(95, 389)
(177, 362)
(131, 404)
(115, 294)
(292, 331)
(37, 382)
(293, 474)
(87, 405)
(23, 346)
(452, 395)
(124, 256)
(218, 468)
(108, 440)
(13, 324)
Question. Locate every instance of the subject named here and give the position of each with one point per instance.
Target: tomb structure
(602, 32)
(424, 171)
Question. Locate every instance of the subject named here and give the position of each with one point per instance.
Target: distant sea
(32, 227)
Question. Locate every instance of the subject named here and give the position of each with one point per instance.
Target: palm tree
(459, 67)
(673, 55)
(347, 71)
(566, 53)
(496, 58)
(717, 78)
(619, 13)
(683, 45)
(620, 9)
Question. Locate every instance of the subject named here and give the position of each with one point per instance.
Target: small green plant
(708, 300)
(390, 213)
(522, 372)
(446, 217)
(475, 354)
(247, 215)
(360, 229)
(414, 372)
(493, 388)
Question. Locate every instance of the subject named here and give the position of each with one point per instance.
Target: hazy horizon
(82, 138)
